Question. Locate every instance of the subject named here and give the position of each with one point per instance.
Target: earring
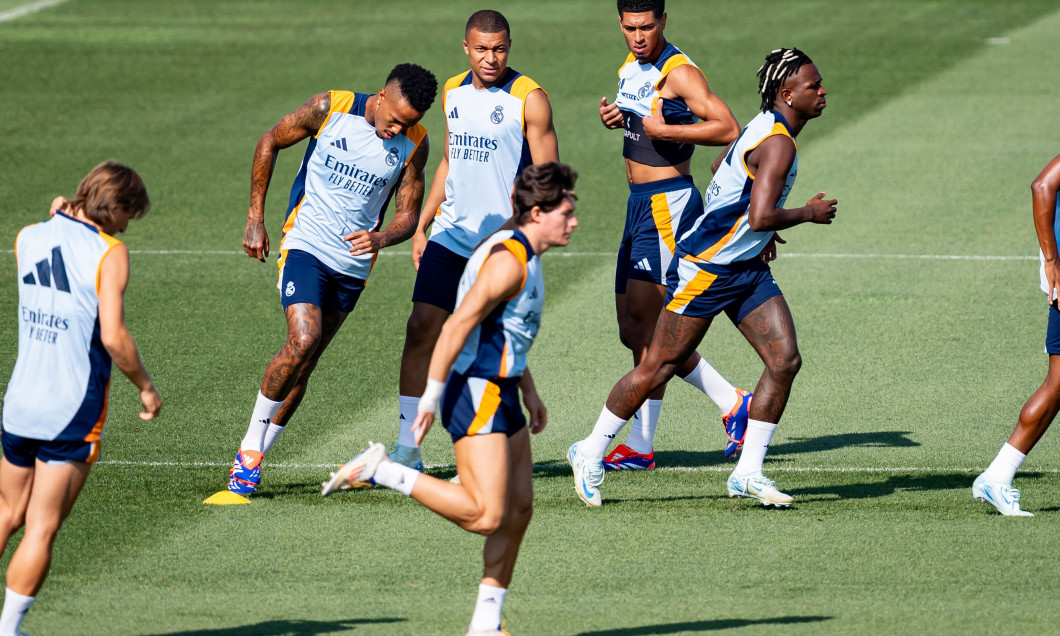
(789, 102)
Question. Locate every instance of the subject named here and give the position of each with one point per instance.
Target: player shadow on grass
(703, 626)
(794, 446)
(889, 486)
(293, 627)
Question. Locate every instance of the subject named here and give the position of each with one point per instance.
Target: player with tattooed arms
(364, 149)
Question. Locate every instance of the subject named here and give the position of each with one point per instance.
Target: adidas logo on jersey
(643, 265)
(453, 114)
(340, 143)
(47, 272)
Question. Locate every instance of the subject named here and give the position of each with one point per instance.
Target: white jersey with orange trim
(721, 235)
(487, 151)
(497, 348)
(345, 182)
(638, 97)
(60, 385)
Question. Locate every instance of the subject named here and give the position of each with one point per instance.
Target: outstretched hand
(821, 210)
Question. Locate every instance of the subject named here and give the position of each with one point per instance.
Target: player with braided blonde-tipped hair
(717, 268)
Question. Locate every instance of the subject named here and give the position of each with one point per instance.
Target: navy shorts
(438, 277)
(304, 279)
(477, 406)
(1052, 334)
(24, 451)
(737, 289)
(657, 213)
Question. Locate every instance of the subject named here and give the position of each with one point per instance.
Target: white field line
(27, 9)
(783, 255)
(674, 469)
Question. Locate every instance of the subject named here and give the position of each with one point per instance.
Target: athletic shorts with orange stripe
(479, 406)
(704, 290)
(657, 214)
(24, 451)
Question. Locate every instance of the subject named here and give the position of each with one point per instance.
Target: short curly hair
(416, 84)
(545, 185)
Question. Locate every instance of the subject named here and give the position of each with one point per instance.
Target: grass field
(919, 321)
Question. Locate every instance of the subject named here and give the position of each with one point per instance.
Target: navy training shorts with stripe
(24, 451)
(477, 406)
(304, 279)
(438, 276)
(1052, 333)
(737, 289)
(657, 213)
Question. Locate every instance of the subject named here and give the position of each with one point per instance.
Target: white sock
(1005, 465)
(271, 434)
(396, 476)
(707, 379)
(15, 607)
(264, 410)
(487, 614)
(408, 406)
(642, 427)
(607, 426)
(755, 445)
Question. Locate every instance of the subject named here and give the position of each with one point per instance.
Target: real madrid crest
(497, 116)
(644, 90)
(392, 157)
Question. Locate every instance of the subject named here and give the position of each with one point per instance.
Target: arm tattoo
(409, 197)
(294, 127)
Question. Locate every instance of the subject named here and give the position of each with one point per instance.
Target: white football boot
(358, 472)
(587, 477)
(758, 486)
(1005, 498)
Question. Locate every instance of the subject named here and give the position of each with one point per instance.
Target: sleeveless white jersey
(498, 347)
(487, 151)
(345, 182)
(60, 385)
(721, 235)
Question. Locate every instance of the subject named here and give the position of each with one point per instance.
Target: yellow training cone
(226, 498)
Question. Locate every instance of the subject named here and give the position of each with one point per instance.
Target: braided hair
(780, 65)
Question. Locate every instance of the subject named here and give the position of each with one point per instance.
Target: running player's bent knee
(634, 333)
(486, 523)
(301, 345)
(786, 365)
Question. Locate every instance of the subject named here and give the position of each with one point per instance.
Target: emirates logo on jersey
(497, 116)
(392, 157)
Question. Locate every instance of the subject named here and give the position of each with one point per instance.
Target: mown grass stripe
(27, 9)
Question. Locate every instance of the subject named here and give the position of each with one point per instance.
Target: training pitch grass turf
(915, 367)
